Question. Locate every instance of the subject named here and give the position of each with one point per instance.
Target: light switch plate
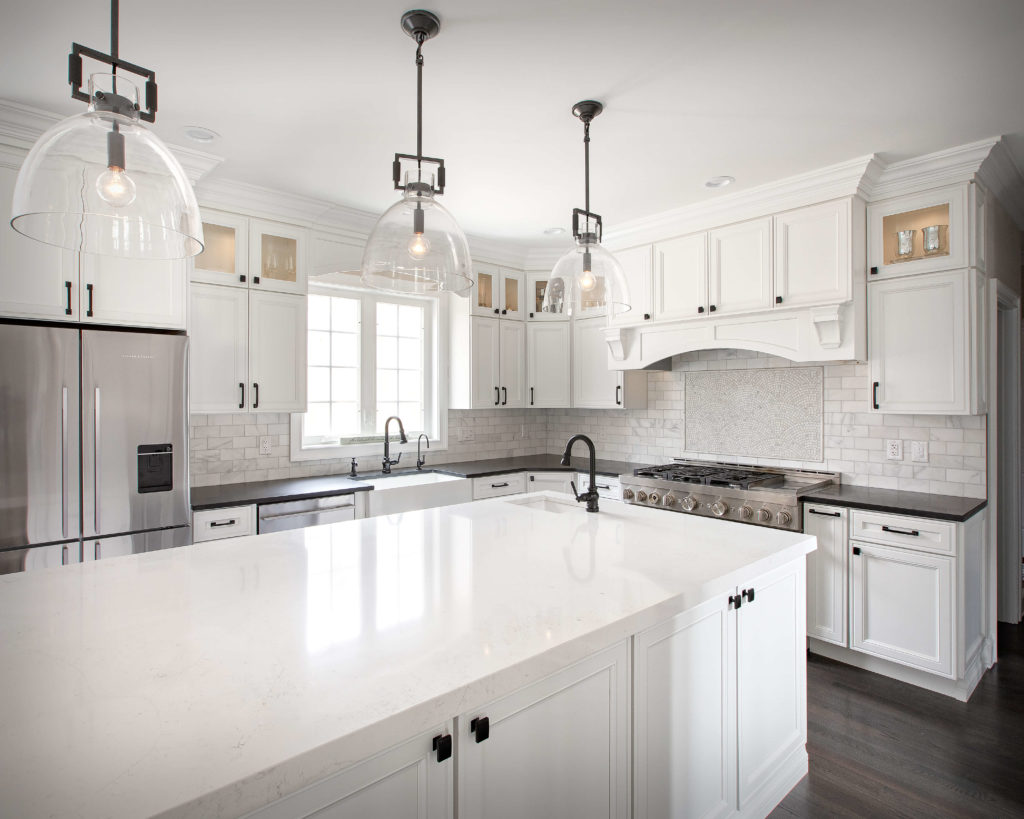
(894, 450)
(264, 445)
(919, 451)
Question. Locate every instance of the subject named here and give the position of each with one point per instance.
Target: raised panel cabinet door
(133, 292)
(637, 266)
(547, 365)
(902, 606)
(277, 257)
(826, 573)
(277, 352)
(684, 693)
(813, 264)
(681, 277)
(918, 338)
(485, 360)
(741, 267)
(404, 782)
(771, 674)
(37, 281)
(512, 364)
(219, 333)
(513, 294)
(558, 747)
(225, 256)
(595, 386)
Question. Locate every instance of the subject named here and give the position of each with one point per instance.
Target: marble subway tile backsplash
(225, 448)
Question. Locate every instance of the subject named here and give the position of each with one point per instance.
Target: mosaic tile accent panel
(769, 413)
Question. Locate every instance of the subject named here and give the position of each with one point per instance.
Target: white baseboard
(773, 791)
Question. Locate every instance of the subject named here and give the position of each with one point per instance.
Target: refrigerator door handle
(96, 463)
(64, 462)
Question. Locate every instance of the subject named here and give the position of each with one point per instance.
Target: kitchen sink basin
(408, 491)
(408, 479)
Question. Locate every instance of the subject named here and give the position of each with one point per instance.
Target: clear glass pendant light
(101, 181)
(587, 277)
(416, 245)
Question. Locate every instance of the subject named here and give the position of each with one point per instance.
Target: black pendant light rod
(586, 111)
(420, 39)
(586, 164)
(115, 14)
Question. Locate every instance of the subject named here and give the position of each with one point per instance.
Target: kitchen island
(216, 679)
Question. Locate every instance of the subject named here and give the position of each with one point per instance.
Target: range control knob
(747, 512)
(719, 508)
(627, 494)
(763, 516)
(689, 503)
(670, 500)
(641, 496)
(654, 497)
(783, 518)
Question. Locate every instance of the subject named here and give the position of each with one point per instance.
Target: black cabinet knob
(241, 278)
(874, 271)
(255, 279)
(712, 308)
(700, 309)
(778, 299)
(496, 311)
(647, 316)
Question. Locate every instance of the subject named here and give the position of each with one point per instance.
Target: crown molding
(1003, 178)
(946, 167)
(832, 182)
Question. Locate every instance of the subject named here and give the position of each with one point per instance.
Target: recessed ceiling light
(719, 181)
(554, 231)
(197, 133)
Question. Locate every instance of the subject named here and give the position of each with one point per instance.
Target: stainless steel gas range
(759, 495)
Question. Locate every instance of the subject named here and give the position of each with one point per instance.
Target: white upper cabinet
(218, 350)
(922, 340)
(133, 292)
(636, 265)
(536, 289)
(512, 363)
(547, 364)
(225, 256)
(921, 233)
(498, 292)
(277, 352)
(277, 256)
(813, 259)
(594, 385)
(741, 267)
(36, 281)
(681, 278)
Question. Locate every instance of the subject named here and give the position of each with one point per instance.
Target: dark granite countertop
(917, 504)
(212, 497)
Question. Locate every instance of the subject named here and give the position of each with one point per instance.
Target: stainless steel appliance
(279, 517)
(760, 495)
(93, 444)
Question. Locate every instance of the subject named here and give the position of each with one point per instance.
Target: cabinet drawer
(216, 524)
(898, 530)
(498, 485)
(607, 488)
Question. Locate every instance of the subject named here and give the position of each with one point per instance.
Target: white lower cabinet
(826, 573)
(902, 606)
(547, 364)
(607, 488)
(552, 481)
(725, 732)
(495, 486)
(557, 747)
(219, 524)
(410, 781)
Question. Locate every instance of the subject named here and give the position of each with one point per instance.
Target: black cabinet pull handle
(618, 395)
(778, 299)
(241, 277)
(700, 309)
(603, 486)
(496, 311)
(497, 396)
(856, 550)
(531, 315)
(501, 485)
(874, 271)
(749, 594)
(874, 395)
(824, 514)
(531, 396)
(735, 601)
(481, 726)
(256, 393)
(504, 312)
(504, 396)
(88, 310)
(67, 310)
(241, 399)
(443, 746)
(647, 316)
(712, 308)
(897, 531)
(215, 523)
(255, 279)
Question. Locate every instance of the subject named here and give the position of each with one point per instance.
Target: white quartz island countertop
(207, 680)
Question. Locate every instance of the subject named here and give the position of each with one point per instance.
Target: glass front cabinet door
(536, 289)
(225, 256)
(277, 256)
(497, 292)
(922, 233)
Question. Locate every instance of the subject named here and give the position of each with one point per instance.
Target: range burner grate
(710, 475)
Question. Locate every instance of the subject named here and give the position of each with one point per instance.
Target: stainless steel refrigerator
(93, 444)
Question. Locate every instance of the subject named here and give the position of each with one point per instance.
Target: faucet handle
(575, 494)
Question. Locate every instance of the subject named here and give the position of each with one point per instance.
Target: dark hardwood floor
(879, 747)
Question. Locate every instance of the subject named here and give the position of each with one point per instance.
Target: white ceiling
(315, 96)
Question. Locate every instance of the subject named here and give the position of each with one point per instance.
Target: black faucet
(420, 460)
(590, 496)
(352, 471)
(387, 463)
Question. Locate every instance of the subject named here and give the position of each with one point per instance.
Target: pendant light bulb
(115, 187)
(419, 246)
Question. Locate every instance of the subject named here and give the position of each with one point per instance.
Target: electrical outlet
(264, 445)
(894, 450)
(919, 451)
(466, 435)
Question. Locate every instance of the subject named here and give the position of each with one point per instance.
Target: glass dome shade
(587, 277)
(417, 247)
(101, 182)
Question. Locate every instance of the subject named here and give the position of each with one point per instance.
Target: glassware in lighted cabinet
(277, 256)
(225, 256)
(497, 292)
(536, 289)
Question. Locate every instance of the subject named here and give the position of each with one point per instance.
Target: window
(370, 356)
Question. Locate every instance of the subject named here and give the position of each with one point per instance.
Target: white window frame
(436, 336)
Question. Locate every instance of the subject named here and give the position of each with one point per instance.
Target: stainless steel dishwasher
(279, 517)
